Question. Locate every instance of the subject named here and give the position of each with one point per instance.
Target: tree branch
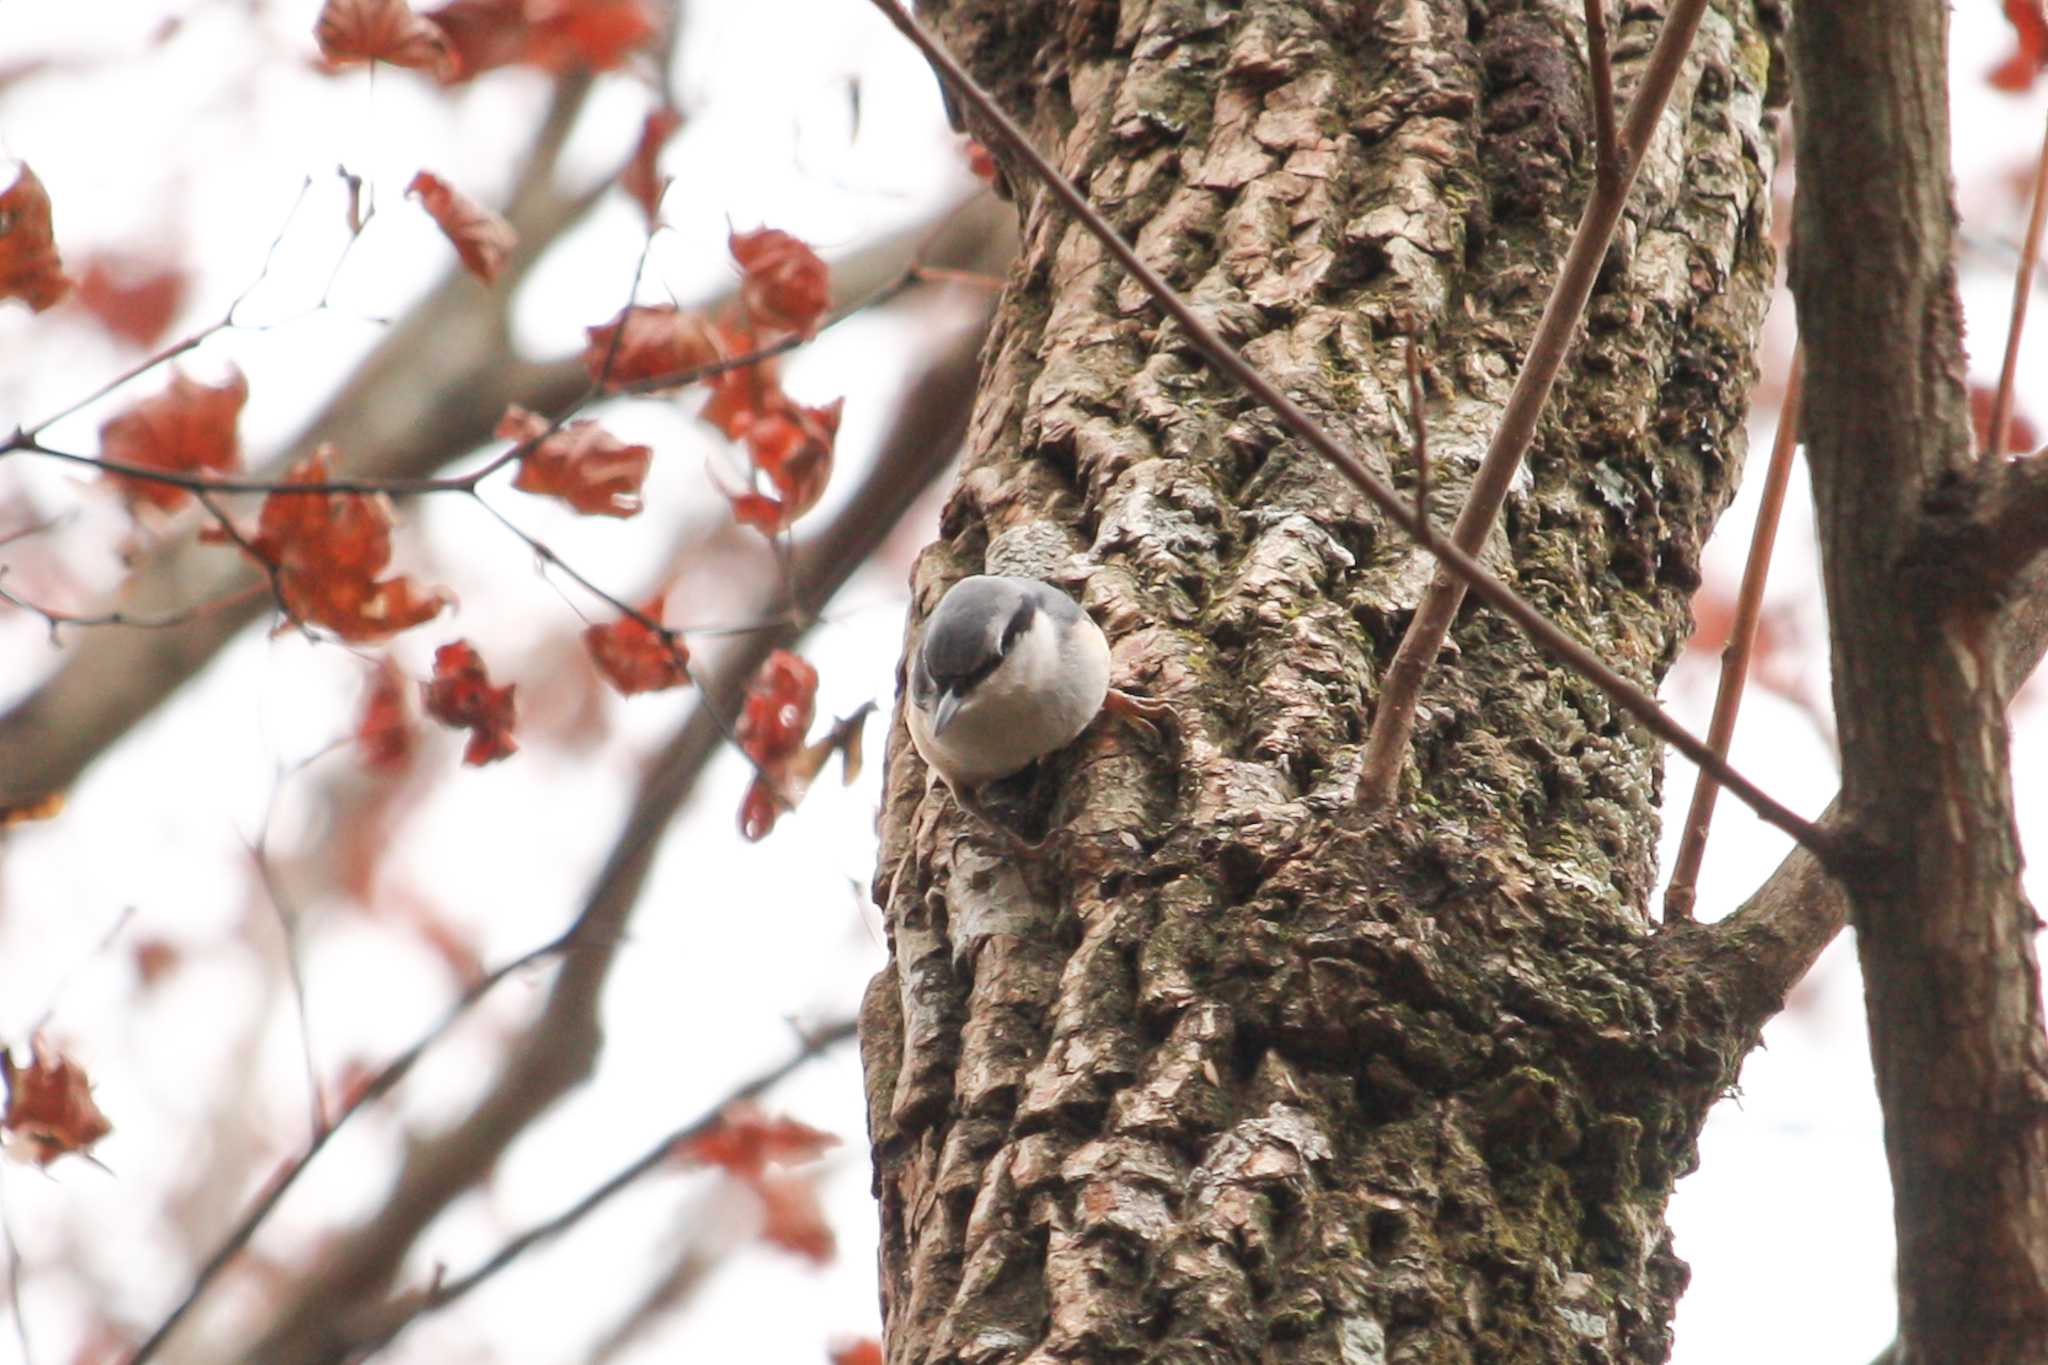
(1393, 720)
(2022, 287)
(431, 392)
(1750, 960)
(1692, 845)
(406, 1309)
(558, 1049)
(1227, 359)
(1952, 984)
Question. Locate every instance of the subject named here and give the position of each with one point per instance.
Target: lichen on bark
(1226, 1073)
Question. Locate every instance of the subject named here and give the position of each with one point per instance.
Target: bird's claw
(1156, 718)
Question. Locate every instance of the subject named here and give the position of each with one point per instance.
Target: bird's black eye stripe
(1020, 621)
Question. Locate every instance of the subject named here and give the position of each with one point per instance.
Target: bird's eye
(1019, 622)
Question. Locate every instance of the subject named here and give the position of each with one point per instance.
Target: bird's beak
(942, 714)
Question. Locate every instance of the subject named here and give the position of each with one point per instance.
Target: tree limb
(1393, 719)
(1227, 359)
(558, 1049)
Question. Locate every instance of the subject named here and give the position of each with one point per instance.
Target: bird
(1009, 670)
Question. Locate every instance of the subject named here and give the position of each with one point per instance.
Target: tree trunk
(1226, 1072)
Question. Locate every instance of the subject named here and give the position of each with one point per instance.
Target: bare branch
(429, 394)
(407, 1308)
(380, 1085)
(163, 621)
(1951, 974)
(2014, 517)
(2022, 287)
(1749, 961)
(1418, 417)
(558, 1048)
(1749, 601)
(1393, 721)
(1458, 563)
(1612, 162)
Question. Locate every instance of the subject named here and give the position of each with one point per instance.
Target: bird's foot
(1156, 718)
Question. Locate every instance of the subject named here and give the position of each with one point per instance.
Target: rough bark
(1918, 548)
(1225, 1074)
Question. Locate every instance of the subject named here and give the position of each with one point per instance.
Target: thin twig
(58, 619)
(1611, 160)
(411, 1307)
(1685, 869)
(1227, 359)
(288, 933)
(1393, 721)
(178, 348)
(1418, 417)
(106, 941)
(380, 1084)
(558, 1049)
(2022, 286)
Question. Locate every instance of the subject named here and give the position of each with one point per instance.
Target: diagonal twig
(392, 1073)
(1685, 869)
(557, 1050)
(1609, 156)
(406, 1308)
(1455, 560)
(1393, 722)
(2022, 286)
(1419, 419)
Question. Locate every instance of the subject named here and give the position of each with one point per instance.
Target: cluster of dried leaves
(468, 37)
(326, 544)
(745, 1144)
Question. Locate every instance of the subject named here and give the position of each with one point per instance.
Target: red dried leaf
(461, 696)
(381, 31)
(189, 428)
(29, 267)
(777, 713)
(785, 287)
(773, 722)
(483, 34)
(655, 342)
(739, 396)
(981, 163)
(481, 238)
(2020, 434)
(594, 34)
(2018, 72)
(327, 549)
(581, 463)
(640, 178)
(745, 1142)
(634, 658)
(384, 731)
(792, 1217)
(791, 447)
(135, 301)
(154, 959)
(50, 1110)
(551, 34)
(866, 1351)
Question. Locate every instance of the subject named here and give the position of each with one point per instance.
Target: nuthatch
(1009, 670)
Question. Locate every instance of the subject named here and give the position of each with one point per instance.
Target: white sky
(196, 149)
